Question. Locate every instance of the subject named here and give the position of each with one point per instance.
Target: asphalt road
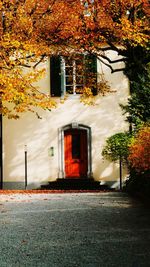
(74, 230)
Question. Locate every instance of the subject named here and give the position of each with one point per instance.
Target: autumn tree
(32, 30)
(139, 151)
(139, 159)
(117, 25)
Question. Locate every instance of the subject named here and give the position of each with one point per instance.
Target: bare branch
(25, 65)
(117, 70)
(110, 67)
(113, 61)
(27, 57)
(120, 51)
(41, 59)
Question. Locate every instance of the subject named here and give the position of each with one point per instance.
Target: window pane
(79, 70)
(68, 61)
(69, 70)
(69, 80)
(79, 80)
(79, 89)
(69, 89)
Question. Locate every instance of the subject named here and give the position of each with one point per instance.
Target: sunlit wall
(105, 119)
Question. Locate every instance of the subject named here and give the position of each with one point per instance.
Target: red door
(75, 144)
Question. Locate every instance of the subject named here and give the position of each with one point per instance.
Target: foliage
(139, 150)
(117, 147)
(139, 159)
(87, 97)
(139, 101)
(138, 113)
(103, 88)
(30, 31)
(17, 89)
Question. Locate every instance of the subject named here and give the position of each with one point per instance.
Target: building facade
(67, 142)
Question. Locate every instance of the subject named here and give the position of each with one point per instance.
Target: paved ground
(73, 230)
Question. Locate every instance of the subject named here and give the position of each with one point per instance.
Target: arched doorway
(75, 151)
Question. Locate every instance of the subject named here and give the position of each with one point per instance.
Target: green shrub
(117, 147)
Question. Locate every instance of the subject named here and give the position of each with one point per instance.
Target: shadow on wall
(108, 174)
(38, 138)
(104, 119)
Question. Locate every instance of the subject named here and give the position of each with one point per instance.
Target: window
(71, 74)
(74, 75)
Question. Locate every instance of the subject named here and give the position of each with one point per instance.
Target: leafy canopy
(139, 150)
(137, 109)
(32, 30)
(116, 147)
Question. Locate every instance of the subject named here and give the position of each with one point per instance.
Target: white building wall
(105, 119)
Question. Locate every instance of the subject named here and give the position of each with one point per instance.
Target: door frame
(61, 158)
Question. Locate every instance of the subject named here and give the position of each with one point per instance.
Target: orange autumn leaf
(140, 150)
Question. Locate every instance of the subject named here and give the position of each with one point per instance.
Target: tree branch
(112, 61)
(41, 59)
(110, 67)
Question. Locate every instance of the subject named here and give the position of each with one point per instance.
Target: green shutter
(91, 73)
(55, 76)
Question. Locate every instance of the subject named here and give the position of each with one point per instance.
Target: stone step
(74, 184)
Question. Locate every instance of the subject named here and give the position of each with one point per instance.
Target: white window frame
(74, 76)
